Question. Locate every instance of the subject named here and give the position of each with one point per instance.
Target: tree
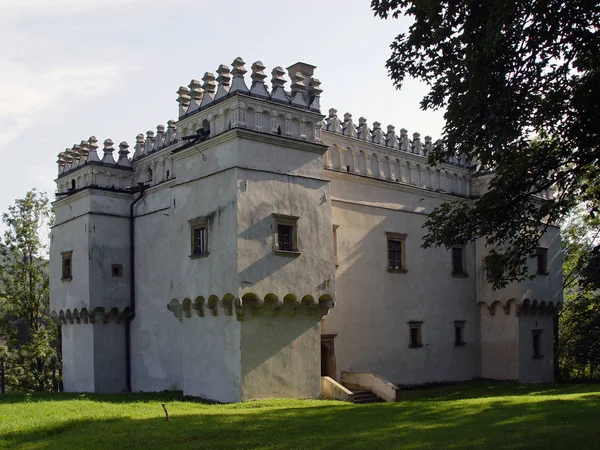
(579, 336)
(519, 81)
(25, 325)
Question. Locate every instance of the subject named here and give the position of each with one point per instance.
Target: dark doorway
(328, 355)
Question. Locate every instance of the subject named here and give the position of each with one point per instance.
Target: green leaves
(519, 81)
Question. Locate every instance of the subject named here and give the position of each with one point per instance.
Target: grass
(477, 414)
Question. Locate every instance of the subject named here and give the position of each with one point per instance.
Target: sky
(71, 69)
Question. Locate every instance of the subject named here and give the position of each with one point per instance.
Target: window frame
(543, 268)
(67, 256)
(287, 221)
(401, 238)
(415, 325)
(197, 224)
(463, 269)
(459, 325)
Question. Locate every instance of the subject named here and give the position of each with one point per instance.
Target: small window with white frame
(541, 256)
(286, 235)
(199, 237)
(396, 252)
(536, 335)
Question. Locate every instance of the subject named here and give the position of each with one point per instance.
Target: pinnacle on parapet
(348, 128)
(224, 80)
(377, 134)
(160, 136)
(196, 94)
(85, 150)
(209, 85)
(123, 152)
(171, 132)
(363, 129)
(68, 159)
(258, 80)
(417, 146)
(428, 147)
(299, 90)
(139, 146)
(150, 141)
(391, 140)
(404, 142)
(76, 155)
(332, 121)
(183, 98)
(278, 85)
(314, 93)
(93, 155)
(61, 162)
(238, 84)
(108, 152)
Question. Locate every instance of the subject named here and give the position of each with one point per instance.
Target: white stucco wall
(374, 306)
(532, 369)
(499, 344)
(281, 356)
(78, 358)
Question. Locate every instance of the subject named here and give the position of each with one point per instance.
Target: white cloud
(27, 96)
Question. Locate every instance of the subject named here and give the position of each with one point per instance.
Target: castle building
(254, 246)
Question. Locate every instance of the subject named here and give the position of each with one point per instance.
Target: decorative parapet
(251, 304)
(93, 315)
(359, 150)
(526, 307)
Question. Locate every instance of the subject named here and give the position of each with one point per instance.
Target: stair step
(362, 397)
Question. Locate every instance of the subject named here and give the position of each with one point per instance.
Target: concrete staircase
(362, 397)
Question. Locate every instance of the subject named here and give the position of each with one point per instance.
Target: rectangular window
(542, 261)
(414, 336)
(458, 261)
(459, 332)
(396, 252)
(67, 265)
(286, 235)
(199, 237)
(537, 343)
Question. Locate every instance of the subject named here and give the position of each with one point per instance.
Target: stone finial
(76, 155)
(209, 85)
(184, 98)
(196, 94)
(139, 146)
(299, 91)
(404, 141)
(391, 140)
(171, 132)
(61, 162)
(93, 155)
(363, 131)
(160, 137)
(377, 134)
(123, 152)
(85, 151)
(258, 80)
(428, 147)
(150, 142)
(278, 85)
(417, 145)
(224, 80)
(348, 128)
(237, 83)
(333, 123)
(68, 159)
(314, 93)
(108, 152)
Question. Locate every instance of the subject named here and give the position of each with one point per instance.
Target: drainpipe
(141, 190)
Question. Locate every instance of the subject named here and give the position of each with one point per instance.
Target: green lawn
(471, 415)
